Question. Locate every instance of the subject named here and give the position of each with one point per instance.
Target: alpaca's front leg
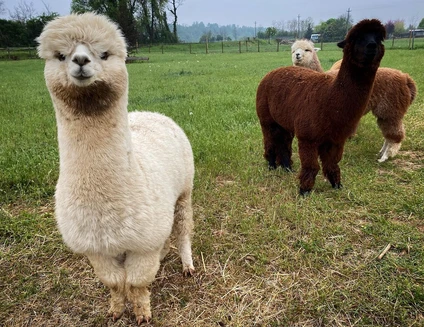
(141, 269)
(330, 155)
(110, 270)
(308, 154)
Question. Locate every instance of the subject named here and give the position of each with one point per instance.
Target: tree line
(156, 21)
(141, 21)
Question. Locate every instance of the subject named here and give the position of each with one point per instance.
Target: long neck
(354, 85)
(95, 150)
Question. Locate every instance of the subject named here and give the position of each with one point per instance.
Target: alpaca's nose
(372, 45)
(81, 59)
(297, 55)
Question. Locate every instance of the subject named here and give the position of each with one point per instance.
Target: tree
(390, 27)
(308, 32)
(334, 29)
(23, 12)
(399, 26)
(174, 5)
(2, 7)
(421, 24)
(270, 32)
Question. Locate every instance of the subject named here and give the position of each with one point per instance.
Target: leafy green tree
(334, 29)
(421, 24)
(399, 27)
(270, 32)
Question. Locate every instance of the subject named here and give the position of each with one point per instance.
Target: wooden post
(190, 47)
(222, 46)
(239, 46)
(393, 41)
(258, 47)
(246, 46)
(278, 46)
(413, 40)
(8, 53)
(207, 50)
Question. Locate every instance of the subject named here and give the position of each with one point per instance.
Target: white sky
(266, 12)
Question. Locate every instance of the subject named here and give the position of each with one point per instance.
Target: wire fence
(245, 46)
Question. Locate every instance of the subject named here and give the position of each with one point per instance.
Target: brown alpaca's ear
(341, 44)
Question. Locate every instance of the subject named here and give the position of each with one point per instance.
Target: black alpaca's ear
(341, 44)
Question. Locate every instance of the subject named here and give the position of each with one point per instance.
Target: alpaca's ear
(341, 44)
(317, 49)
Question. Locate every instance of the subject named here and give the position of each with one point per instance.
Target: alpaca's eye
(104, 56)
(60, 56)
(307, 50)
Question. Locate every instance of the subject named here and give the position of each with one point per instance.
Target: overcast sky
(267, 12)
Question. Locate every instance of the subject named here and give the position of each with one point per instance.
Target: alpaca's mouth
(82, 77)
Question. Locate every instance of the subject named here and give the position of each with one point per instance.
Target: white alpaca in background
(125, 180)
(304, 54)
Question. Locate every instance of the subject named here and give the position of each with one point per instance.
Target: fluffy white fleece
(125, 180)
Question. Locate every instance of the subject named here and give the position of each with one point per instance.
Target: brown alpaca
(393, 93)
(321, 109)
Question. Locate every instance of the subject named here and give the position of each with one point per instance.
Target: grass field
(264, 255)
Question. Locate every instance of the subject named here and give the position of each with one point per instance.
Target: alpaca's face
(85, 61)
(302, 53)
(364, 43)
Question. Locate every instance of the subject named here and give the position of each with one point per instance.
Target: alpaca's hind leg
(330, 155)
(308, 154)
(111, 272)
(183, 230)
(278, 146)
(394, 133)
(141, 269)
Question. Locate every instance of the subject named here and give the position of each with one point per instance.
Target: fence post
(246, 46)
(393, 41)
(190, 47)
(278, 46)
(239, 46)
(222, 46)
(207, 50)
(258, 47)
(8, 53)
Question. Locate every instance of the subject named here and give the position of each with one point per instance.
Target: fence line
(216, 47)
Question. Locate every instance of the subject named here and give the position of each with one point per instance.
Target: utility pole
(347, 20)
(298, 26)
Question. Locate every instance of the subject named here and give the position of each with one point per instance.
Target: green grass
(264, 255)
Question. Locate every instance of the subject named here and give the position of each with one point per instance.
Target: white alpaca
(125, 180)
(305, 55)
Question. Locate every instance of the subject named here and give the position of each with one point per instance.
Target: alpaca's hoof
(288, 169)
(188, 272)
(142, 319)
(272, 166)
(337, 185)
(304, 192)
(142, 314)
(116, 315)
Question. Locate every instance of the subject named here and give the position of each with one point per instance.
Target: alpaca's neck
(95, 149)
(354, 84)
